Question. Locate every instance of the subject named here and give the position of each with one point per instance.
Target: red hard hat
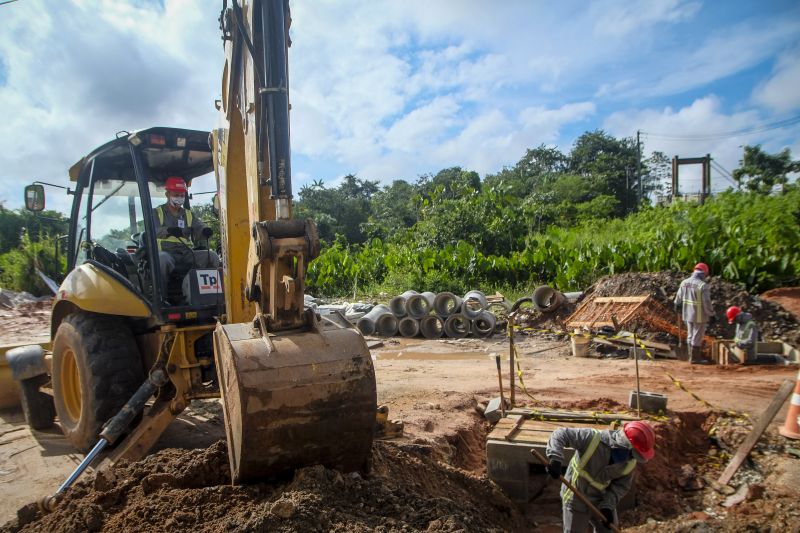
(175, 184)
(702, 266)
(642, 437)
(732, 312)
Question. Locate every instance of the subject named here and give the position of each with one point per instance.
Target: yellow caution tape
(512, 328)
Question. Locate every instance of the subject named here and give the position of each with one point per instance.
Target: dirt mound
(180, 490)
(786, 297)
(774, 321)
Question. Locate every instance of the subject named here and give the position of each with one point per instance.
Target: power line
(7, 2)
(760, 128)
(725, 174)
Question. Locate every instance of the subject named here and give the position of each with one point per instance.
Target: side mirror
(215, 204)
(34, 198)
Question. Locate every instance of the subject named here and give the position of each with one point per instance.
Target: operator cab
(118, 185)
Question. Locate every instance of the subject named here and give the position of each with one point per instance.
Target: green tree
(343, 210)
(609, 165)
(761, 172)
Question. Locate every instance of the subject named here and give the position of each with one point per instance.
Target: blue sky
(389, 90)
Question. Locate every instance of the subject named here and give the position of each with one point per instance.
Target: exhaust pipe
(432, 327)
(484, 324)
(398, 303)
(446, 304)
(457, 326)
(474, 303)
(367, 324)
(408, 327)
(419, 305)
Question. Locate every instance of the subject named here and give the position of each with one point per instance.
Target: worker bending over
(176, 232)
(746, 336)
(693, 301)
(602, 469)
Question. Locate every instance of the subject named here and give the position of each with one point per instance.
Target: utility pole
(639, 163)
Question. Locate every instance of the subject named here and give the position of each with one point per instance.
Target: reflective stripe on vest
(578, 468)
(744, 333)
(696, 299)
(169, 238)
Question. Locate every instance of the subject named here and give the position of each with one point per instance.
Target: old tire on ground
(96, 370)
(38, 408)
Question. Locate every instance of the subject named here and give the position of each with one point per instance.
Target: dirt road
(433, 386)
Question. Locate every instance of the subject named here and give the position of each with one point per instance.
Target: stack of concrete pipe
(431, 315)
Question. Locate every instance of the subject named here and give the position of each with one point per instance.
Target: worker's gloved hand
(608, 515)
(554, 469)
(206, 233)
(174, 232)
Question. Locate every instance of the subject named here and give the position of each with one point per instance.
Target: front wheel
(96, 369)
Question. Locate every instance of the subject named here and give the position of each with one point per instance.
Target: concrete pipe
(398, 304)
(367, 323)
(386, 325)
(547, 299)
(457, 326)
(419, 305)
(408, 327)
(474, 303)
(432, 327)
(484, 324)
(446, 304)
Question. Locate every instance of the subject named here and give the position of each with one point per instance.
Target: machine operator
(176, 231)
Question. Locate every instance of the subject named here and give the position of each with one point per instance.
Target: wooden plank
(533, 415)
(538, 425)
(758, 429)
(621, 299)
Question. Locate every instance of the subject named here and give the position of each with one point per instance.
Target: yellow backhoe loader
(132, 347)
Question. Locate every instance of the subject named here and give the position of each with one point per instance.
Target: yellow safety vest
(578, 468)
(169, 238)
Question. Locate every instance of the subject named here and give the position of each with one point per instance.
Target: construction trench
(435, 477)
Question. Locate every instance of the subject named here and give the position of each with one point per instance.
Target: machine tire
(38, 407)
(96, 369)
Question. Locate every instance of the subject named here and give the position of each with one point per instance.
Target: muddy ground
(433, 479)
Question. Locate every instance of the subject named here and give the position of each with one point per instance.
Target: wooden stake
(638, 388)
(511, 361)
(500, 379)
(758, 429)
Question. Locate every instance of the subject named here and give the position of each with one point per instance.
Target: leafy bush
(744, 237)
(18, 266)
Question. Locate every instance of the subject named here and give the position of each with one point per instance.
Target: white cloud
(78, 72)
(383, 89)
(781, 92)
(619, 19)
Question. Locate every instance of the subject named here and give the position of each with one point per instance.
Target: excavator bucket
(297, 399)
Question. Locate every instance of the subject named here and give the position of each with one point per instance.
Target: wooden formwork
(616, 311)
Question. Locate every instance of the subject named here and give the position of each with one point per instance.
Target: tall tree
(761, 172)
(609, 164)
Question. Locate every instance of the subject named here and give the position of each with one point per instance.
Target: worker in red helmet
(601, 468)
(693, 302)
(177, 231)
(745, 339)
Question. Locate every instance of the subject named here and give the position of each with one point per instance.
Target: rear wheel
(96, 369)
